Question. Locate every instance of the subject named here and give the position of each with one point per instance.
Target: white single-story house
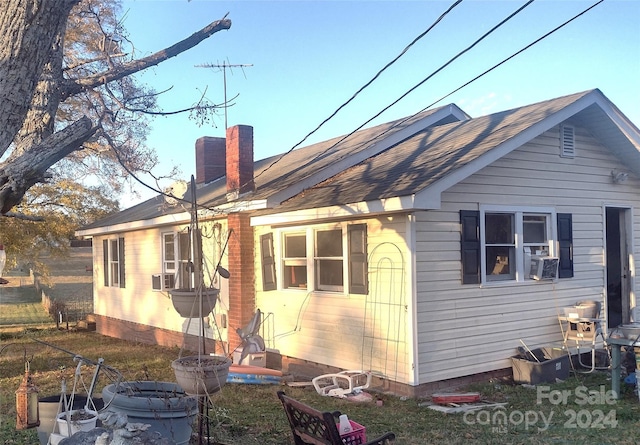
(405, 249)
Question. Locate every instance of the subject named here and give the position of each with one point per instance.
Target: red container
(465, 397)
(356, 436)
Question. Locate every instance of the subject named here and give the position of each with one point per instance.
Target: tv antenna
(223, 66)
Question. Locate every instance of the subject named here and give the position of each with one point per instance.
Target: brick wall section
(136, 332)
(240, 159)
(242, 291)
(210, 159)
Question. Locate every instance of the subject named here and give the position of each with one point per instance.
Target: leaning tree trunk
(27, 31)
(19, 175)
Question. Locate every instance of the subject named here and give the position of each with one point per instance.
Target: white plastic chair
(581, 330)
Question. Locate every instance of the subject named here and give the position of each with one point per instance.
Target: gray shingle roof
(435, 153)
(277, 173)
(425, 158)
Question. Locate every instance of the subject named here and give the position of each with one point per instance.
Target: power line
(544, 36)
(516, 54)
(442, 67)
(402, 53)
(502, 62)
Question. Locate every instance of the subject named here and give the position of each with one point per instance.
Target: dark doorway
(617, 266)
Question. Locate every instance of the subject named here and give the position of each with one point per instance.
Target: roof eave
(353, 210)
(172, 219)
(176, 218)
(429, 197)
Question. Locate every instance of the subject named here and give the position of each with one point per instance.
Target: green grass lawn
(577, 411)
(68, 282)
(21, 305)
(23, 314)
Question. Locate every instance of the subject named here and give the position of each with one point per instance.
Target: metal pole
(224, 83)
(224, 67)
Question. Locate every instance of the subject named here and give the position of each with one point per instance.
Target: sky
(309, 57)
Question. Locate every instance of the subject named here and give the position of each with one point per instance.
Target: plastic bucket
(48, 408)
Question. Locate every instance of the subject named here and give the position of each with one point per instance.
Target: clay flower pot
(187, 301)
(201, 375)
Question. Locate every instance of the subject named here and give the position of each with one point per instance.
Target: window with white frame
(176, 270)
(510, 238)
(294, 260)
(113, 262)
(328, 258)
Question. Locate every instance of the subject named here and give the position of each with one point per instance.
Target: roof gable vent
(567, 141)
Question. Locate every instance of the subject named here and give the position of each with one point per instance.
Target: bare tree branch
(202, 104)
(72, 87)
(24, 217)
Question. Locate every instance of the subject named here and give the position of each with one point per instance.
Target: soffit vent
(567, 141)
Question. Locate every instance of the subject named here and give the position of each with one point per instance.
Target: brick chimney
(242, 292)
(242, 289)
(210, 159)
(239, 161)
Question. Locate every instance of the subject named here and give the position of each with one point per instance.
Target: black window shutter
(565, 244)
(121, 260)
(268, 262)
(470, 246)
(105, 261)
(358, 266)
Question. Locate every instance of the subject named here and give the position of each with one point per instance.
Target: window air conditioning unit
(544, 268)
(162, 281)
(156, 282)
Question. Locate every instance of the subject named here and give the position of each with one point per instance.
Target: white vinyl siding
(138, 302)
(468, 329)
(350, 331)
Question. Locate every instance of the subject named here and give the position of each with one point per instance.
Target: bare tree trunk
(27, 31)
(39, 121)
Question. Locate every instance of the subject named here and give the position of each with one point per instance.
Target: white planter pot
(76, 420)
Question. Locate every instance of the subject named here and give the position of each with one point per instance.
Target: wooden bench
(310, 426)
